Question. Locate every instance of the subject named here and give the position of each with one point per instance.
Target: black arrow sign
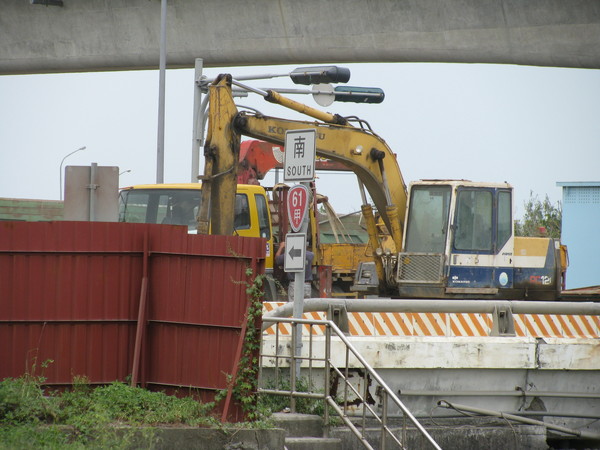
(295, 252)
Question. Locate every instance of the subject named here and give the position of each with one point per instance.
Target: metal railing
(351, 402)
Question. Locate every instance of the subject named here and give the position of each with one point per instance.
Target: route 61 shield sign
(297, 206)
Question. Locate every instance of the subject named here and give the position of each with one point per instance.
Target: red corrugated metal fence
(112, 300)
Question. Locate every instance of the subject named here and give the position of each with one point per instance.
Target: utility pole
(160, 147)
(198, 126)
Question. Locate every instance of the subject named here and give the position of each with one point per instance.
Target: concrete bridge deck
(92, 35)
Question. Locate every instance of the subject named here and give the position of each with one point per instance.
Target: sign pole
(299, 166)
(298, 308)
(295, 261)
(297, 314)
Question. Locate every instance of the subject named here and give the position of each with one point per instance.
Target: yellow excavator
(451, 238)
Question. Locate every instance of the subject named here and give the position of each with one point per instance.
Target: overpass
(100, 35)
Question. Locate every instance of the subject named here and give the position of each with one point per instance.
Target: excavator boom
(362, 151)
(365, 153)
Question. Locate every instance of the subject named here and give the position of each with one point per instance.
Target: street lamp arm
(61, 166)
(75, 151)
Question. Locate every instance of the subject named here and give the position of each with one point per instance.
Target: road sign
(295, 252)
(297, 206)
(324, 96)
(300, 152)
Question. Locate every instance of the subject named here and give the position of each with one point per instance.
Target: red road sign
(297, 205)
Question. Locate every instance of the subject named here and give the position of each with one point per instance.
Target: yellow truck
(255, 214)
(178, 204)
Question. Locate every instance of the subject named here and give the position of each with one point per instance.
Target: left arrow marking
(295, 252)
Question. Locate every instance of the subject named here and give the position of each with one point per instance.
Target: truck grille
(420, 267)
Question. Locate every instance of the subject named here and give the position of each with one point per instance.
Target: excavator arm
(362, 151)
(221, 156)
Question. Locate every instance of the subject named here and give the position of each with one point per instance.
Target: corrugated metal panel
(70, 292)
(202, 317)
(99, 350)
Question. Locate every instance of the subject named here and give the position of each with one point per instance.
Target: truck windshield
(170, 206)
(428, 219)
(180, 207)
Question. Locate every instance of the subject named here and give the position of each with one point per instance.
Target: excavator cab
(459, 243)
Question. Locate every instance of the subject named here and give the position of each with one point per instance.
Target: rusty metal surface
(70, 293)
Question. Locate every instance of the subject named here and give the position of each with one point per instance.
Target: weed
(270, 403)
(246, 382)
(113, 416)
(23, 400)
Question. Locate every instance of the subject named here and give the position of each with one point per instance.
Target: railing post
(327, 377)
(504, 324)
(277, 371)
(384, 412)
(347, 361)
(403, 427)
(293, 367)
(364, 398)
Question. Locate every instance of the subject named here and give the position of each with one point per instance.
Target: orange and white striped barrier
(450, 324)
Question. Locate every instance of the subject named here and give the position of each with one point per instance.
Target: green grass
(115, 416)
(112, 416)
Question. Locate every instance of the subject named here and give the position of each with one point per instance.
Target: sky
(529, 126)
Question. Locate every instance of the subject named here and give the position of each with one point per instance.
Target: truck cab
(178, 204)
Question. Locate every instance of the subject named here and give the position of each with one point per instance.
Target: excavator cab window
(505, 222)
(473, 226)
(428, 219)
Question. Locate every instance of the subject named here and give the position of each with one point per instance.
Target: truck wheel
(270, 289)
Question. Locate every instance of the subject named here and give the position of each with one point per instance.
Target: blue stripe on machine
(480, 277)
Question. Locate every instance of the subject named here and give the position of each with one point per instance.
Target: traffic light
(320, 74)
(356, 94)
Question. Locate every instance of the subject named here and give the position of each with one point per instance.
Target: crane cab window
(473, 226)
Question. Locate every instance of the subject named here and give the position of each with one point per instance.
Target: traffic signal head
(320, 74)
(356, 94)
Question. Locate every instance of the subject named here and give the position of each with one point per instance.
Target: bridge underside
(96, 35)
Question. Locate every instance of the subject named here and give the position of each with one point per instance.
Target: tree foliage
(541, 218)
